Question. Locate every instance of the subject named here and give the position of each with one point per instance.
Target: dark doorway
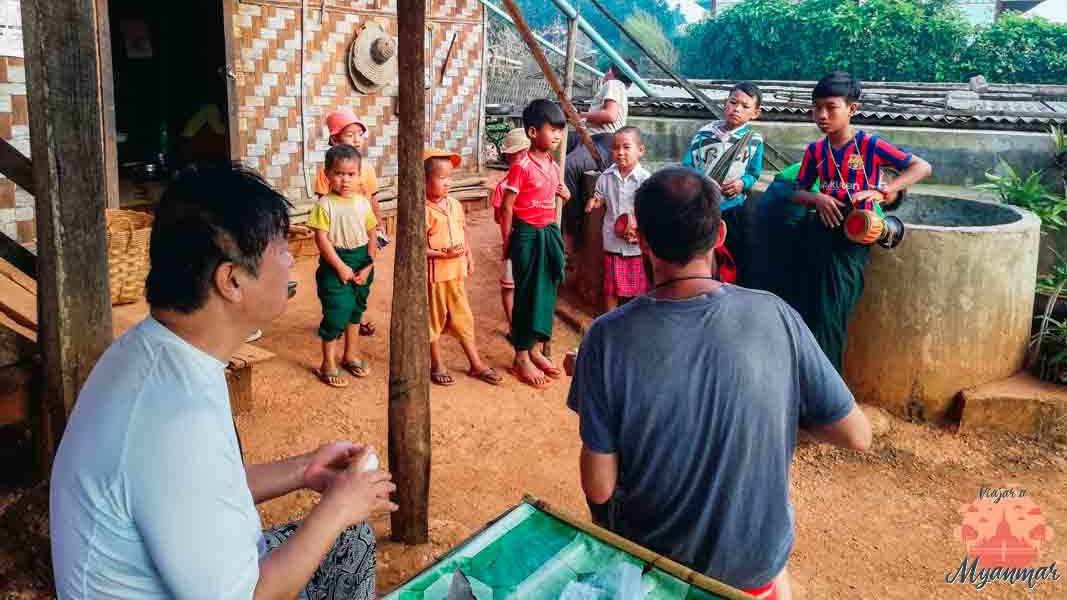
(171, 105)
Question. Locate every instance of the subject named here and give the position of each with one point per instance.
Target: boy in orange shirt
(449, 262)
(346, 128)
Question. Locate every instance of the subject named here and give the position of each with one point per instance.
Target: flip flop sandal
(489, 376)
(442, 378)
(367, 329)
(360, 368)
(331, 378)
(528, 380)
(552, 372)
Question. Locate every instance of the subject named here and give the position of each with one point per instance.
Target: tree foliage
(543, 14)
(1017, 49)
(876, 40)
(650, 33)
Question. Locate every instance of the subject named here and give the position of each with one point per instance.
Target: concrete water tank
(948, 309)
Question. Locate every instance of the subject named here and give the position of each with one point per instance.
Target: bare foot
(528, 373)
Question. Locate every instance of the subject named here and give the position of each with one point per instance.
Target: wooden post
(67, 61)
(568, 86)
(550, 76)
(409, 361)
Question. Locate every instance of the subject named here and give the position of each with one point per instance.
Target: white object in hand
(372, 463)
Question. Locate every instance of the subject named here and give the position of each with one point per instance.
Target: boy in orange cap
(514, 143)
(346, 128)
(449, 261)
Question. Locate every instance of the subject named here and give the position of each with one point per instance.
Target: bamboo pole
(568, 86)
(550, 76)
(409, 382)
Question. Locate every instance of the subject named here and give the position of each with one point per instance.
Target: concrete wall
(948, 309)
(959, 157)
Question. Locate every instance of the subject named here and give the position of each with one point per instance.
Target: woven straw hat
(372, 59)
(515, 141)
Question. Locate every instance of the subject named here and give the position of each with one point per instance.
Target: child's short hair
(749, 89)
(678, 214)
(838, 84)
(630, 130)
(342, 152)
(539, 112)
(623, 77)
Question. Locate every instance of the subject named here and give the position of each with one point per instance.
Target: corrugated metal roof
(1000, 107)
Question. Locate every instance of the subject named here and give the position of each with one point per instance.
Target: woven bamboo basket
(128, 234)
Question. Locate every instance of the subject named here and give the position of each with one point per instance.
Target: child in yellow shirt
(449, 262)
(344, 225)
(346, 128)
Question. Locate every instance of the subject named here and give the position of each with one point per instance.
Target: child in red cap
(346, 128)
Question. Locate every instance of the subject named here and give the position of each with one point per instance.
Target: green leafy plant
(1059, 152)
(1030, 193)
(1047, 357)
(1048, 283)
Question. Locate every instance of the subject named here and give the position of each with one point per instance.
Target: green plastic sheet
(532, 555)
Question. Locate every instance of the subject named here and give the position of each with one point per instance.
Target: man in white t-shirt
(608, 111)
(150, 497)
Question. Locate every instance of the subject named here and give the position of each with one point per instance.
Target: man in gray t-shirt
(690, 399)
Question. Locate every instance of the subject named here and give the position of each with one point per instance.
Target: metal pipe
(604, 46)
(547, 44)
(773, 158)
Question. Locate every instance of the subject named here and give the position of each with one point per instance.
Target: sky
(690, 10)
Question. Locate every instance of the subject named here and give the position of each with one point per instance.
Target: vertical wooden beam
(66, 63)
(409, 361)
(568, 82)
(110, 150)
(228, 72)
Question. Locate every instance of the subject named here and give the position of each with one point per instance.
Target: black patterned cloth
(347, 572)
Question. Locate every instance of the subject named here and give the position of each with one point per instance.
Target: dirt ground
(869, 525)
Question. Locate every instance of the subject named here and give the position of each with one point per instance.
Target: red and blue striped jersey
(853, 168)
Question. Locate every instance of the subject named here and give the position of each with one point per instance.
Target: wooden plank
(23, 280)
(18, 303)
(26, 332)
(18, 255)
(550, 77)
(409, 361)
(16, 166)
(75, 179)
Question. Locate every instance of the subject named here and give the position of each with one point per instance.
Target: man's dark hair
(342, 152)
(838, 84)
(617, 72)
(749, 89)
(209, 215)
(678, 214)
(539, 112)
(631, 130)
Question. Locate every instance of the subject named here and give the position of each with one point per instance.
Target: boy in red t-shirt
(533, 242)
